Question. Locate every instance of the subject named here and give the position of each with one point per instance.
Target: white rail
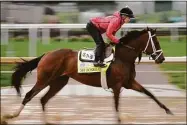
(144, 59)
(167, 60)
(75, 26)
(169, 71)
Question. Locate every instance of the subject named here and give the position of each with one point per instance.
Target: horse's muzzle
(160, 60)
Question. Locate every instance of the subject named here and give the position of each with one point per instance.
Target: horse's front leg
(137, 87)
(116, 89)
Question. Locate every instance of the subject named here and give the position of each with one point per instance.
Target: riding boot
(99, 64)
(99, 57)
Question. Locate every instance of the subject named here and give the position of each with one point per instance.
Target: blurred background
(76, 13)
(81, 12)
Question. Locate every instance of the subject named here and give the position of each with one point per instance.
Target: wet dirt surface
(93, 107)
(96, 110)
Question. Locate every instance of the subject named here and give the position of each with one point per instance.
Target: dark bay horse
(56, 67)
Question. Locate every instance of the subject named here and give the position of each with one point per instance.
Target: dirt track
(71, 109)
(66, 109)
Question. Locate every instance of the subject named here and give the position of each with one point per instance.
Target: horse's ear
(147, 28)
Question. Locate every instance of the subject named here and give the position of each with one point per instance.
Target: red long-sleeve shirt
(109, 25)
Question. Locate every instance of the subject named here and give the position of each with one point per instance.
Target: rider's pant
(100, 45)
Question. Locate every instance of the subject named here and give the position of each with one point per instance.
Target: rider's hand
(120, 41)
(112, 43)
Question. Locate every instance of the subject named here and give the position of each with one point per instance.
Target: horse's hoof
(8, 116)
(169, 112)
(3, 121)
(119, 121)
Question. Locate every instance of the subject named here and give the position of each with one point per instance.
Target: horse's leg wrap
(10, 116)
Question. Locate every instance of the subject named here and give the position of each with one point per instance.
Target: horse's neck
(136, 44)
(129, 54)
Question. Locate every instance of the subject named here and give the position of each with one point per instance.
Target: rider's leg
(99, 51)
(96, 35)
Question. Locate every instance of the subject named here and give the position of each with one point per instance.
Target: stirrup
(99, 64)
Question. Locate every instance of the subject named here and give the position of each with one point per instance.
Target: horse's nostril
(163, 59)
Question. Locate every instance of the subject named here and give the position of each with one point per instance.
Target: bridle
(150, 40)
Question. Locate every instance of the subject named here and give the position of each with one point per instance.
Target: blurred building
(80, 12)
(21, 13)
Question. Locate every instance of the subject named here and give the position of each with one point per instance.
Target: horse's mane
(131, 35)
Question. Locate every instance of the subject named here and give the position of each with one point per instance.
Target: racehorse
(56, 67)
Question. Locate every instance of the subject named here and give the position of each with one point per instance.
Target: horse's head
(152, 46)
(143, 41)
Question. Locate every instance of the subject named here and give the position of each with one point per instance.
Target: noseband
(150, 40)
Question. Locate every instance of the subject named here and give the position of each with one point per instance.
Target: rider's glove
(112, 43)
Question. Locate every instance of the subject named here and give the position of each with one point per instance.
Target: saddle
(88, 54)
(86, 57)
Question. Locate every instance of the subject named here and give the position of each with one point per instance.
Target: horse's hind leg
(116, 91)
(55, 86)
(137, 87)
(34, 91)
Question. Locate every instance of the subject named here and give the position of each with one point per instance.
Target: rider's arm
(111, 31)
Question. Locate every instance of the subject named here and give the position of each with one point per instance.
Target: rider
(109, 25)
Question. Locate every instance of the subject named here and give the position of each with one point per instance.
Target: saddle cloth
(86, 58)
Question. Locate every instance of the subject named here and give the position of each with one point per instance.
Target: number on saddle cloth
(88, 55)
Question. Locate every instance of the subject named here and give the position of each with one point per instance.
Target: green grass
(174, 48)
(178, 79)
(59, 45)
(6, 77)
(7, 67)
(20, 49)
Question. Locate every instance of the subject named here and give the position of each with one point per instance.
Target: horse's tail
(21, 69)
